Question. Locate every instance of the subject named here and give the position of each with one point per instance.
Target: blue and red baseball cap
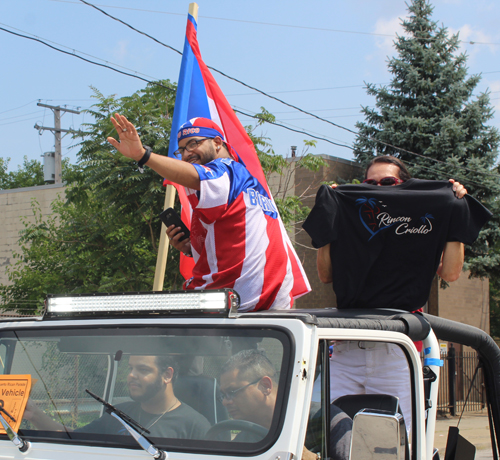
(204, 127)
(199, 127)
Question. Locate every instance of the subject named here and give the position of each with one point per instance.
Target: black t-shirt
(181, 423)
(386, 242)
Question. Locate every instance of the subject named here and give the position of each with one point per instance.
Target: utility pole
(56, 130)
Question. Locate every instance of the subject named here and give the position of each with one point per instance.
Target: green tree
(29, 174)
(428, 113)
(103, 235)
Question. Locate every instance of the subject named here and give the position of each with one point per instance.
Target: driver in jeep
(249, 387)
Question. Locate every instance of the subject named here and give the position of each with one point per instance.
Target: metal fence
(460, 383)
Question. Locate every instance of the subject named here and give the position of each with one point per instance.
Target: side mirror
(378, 435)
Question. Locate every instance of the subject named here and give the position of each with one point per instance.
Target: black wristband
(145, 158)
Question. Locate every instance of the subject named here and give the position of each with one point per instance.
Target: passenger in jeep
(249, 387)
(154, 405)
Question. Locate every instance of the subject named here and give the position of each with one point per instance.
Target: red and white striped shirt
(236, 238)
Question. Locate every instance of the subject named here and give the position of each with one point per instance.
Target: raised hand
(130, 144)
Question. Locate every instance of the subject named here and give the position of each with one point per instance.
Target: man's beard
(151, 390)
(210, 156)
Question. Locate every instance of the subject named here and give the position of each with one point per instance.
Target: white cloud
(384, 46)
(468, 34)
(494, 87)
(120, 51)
(388, 27)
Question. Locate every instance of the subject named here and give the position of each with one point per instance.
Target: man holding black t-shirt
(381, 247)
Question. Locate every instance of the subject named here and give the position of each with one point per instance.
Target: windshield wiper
(129, 424)
(110, 408)
(19, 442)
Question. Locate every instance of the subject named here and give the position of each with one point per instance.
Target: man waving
(236, 239)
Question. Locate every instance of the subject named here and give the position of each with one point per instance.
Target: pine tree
(429, 118)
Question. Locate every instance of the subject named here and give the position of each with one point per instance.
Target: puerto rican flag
(199, 95)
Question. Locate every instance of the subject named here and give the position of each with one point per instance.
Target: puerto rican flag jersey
(236, 240)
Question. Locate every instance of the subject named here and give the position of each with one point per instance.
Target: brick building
(15, 205)
(307, 184)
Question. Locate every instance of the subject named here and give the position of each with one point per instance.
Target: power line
(307, 90)
(256, 115)
(75, 55)
(272, 24)
(323, 89)
(243, 113)
(74, 51)
(292, 129)
(159, 84)
(20, 107)
(241, 20)
(407, 151)
(23, 115)
(472, 42)
(324, 110)
(19, 121)
(349, 147)
(77, 100)
(442, 174)
(326, 118)
(214, 69)
(222, 73)
(131, 27)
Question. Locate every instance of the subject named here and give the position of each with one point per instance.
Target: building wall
(466, 300)
(15, 206)
(307, 184)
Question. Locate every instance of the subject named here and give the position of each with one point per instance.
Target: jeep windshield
(185, 386)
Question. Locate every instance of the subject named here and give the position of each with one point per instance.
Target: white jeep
(77, 355)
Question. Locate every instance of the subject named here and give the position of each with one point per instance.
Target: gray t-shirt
(181, 423)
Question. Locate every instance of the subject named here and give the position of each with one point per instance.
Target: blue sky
(315, 55)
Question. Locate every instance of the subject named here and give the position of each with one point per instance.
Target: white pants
(358, 367)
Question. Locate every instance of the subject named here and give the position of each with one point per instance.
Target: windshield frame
(282, 334)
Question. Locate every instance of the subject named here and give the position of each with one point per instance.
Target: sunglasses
(390, 180)
(230, 394)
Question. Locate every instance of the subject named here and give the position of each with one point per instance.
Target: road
(474, 427)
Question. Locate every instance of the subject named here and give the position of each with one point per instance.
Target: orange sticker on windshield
(14, 393)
